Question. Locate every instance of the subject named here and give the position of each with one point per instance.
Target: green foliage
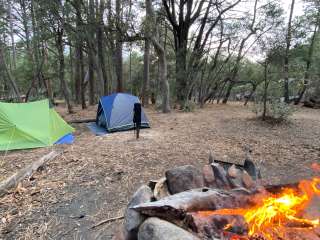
(276, 111)
(189, 106)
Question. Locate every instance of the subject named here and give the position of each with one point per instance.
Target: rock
(133, 219)
(233, 171)
(235, 177)
(161, 189)
(247, 180)
(157, 229)
(211, 158)
(252, 169)
(208, 176)
(184, 178)
(220, 175)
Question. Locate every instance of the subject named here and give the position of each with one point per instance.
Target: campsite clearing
(94, 178)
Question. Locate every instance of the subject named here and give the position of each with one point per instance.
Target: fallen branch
(106, 221)
(82, 120)
(14, 180)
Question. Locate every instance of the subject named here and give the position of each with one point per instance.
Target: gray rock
(220, 175)
(157, 229)
(134, 219)
(184, 178)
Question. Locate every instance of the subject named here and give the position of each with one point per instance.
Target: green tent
(30, 125)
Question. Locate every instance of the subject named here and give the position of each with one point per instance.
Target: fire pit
(226, 202)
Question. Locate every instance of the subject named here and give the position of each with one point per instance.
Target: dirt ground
(95, 177)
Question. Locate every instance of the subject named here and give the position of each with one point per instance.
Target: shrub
(189, 106)
(276, 110)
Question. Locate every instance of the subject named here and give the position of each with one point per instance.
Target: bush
(276, 110)
(189, 106)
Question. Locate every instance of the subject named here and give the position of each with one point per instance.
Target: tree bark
(146, 74)
(9, 76)
(286, 57)
(181, 69)
(13, 46)
(265, 91)
(160, 50)
(118, 50)
(83, 84)
(63, 83)
(228, 92)
(78, 52)
(91, 77)
(101, 48)
(254, 87)
(309, 63)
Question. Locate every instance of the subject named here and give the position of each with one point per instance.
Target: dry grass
(96, 176)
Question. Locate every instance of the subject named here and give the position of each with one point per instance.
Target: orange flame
(274, 211)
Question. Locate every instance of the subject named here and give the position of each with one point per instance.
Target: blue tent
(115, 112)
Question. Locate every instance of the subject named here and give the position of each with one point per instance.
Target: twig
(106, 221)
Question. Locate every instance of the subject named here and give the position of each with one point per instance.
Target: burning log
(214, 225)
(175, 207)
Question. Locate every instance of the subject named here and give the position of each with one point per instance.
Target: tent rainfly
(31, 125)
(115, 112)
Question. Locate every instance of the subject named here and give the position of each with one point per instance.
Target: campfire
(271, 214)
(223, 201)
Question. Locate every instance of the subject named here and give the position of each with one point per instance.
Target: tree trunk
(63, 83)
(254, 87)
(146, 74)
(286, 57)
(309, 62)
(35, 43)
(77, 74)
(118, 50)
(78, 77)
(101, 48)
(228, 93)
(82, 83)
(10, 78)
(160, 50)
(265, 91)
(13, 46)
(91, 77)
(25, 23)
(181, 70)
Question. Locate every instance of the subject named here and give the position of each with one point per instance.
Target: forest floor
(95, 177)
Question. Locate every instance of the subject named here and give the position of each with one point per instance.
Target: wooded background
(168, 52)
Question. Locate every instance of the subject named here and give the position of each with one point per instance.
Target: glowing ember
(272, 213)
